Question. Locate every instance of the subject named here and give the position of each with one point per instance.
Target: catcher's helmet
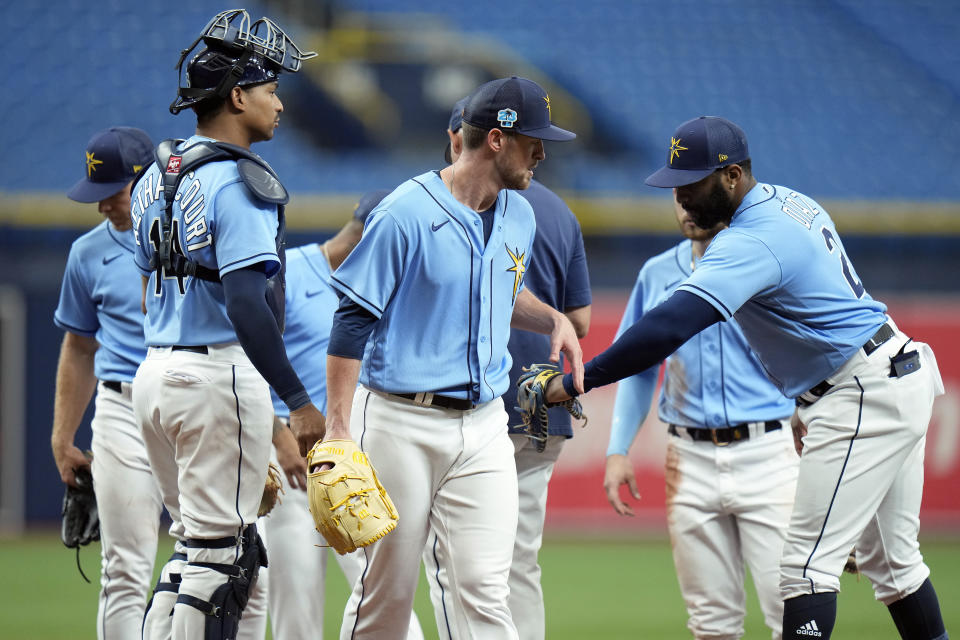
(236, 53)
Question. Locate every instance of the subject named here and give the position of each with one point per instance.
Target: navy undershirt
(652, 338)
(259, 334)
(352, 325)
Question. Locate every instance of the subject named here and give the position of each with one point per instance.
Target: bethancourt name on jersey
(192, 206)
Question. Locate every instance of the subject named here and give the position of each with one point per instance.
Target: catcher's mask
(237, 52)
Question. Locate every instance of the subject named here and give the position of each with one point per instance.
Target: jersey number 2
(855, 285)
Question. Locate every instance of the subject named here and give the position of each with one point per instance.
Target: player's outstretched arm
(530, 314)
(75, 385)
(651, 339)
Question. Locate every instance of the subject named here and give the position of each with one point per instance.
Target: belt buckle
(713, 438)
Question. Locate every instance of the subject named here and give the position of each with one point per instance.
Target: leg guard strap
(225, 606)
(215, 543)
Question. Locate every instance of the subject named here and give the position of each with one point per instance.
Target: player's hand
(799, 431)
(337, 431)
(308, 426)
(619, 471)
(288, 455)
(69, 458)
(564, 338)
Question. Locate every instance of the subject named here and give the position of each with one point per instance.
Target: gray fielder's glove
(533, 405)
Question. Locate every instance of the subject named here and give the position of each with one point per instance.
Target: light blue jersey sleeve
(731, 252)
(76, 311)
(634, 394)
(370, 274)
(100, 298)
(246, 228)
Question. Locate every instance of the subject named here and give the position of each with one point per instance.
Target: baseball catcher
(349, 505)
(81, 521)
(533, 405)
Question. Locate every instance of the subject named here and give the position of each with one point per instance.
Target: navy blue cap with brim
(514, 104)
(698, 148)
(111, 160)
(456, 121)
(368, 202)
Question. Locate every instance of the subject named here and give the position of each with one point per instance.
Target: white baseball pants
(727, 509)
(129, 505)
(207, 422)
(452, 473)
(861, 477)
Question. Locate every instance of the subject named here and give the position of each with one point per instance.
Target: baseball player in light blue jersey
(297, 575)
(558, 276)
(435, 283)
(103, 340)
(864, 390)
(208, 220)
(731, 469)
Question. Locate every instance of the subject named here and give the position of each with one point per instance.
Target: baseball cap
(514, 104)
(368, 202)
(698, 148)
(456, 120)
(112, 158)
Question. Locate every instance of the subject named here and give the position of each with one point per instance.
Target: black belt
(883, 334)
(113, 385)
(815, 392)
(431, 400)
(193, 349)
(724, 435)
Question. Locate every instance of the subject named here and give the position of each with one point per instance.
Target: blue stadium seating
(840, 98)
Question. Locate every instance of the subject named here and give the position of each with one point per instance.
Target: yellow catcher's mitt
(349, 505)
(272, 489)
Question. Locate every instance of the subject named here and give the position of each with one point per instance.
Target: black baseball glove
(533, 405)
(81, 521)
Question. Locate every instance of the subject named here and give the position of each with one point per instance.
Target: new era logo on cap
(698, 148)
(515, 104)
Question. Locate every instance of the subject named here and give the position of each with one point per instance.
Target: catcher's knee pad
(166, 589)
(225, 606)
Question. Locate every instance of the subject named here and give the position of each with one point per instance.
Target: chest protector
(259, 178)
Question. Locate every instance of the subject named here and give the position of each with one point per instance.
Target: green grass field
(610, 589)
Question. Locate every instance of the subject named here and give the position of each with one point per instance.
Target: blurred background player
(731, 468)
(864, 390)
(558, 276)
(99, 311)
(212, 291)
(435, 283)
(296, 578)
